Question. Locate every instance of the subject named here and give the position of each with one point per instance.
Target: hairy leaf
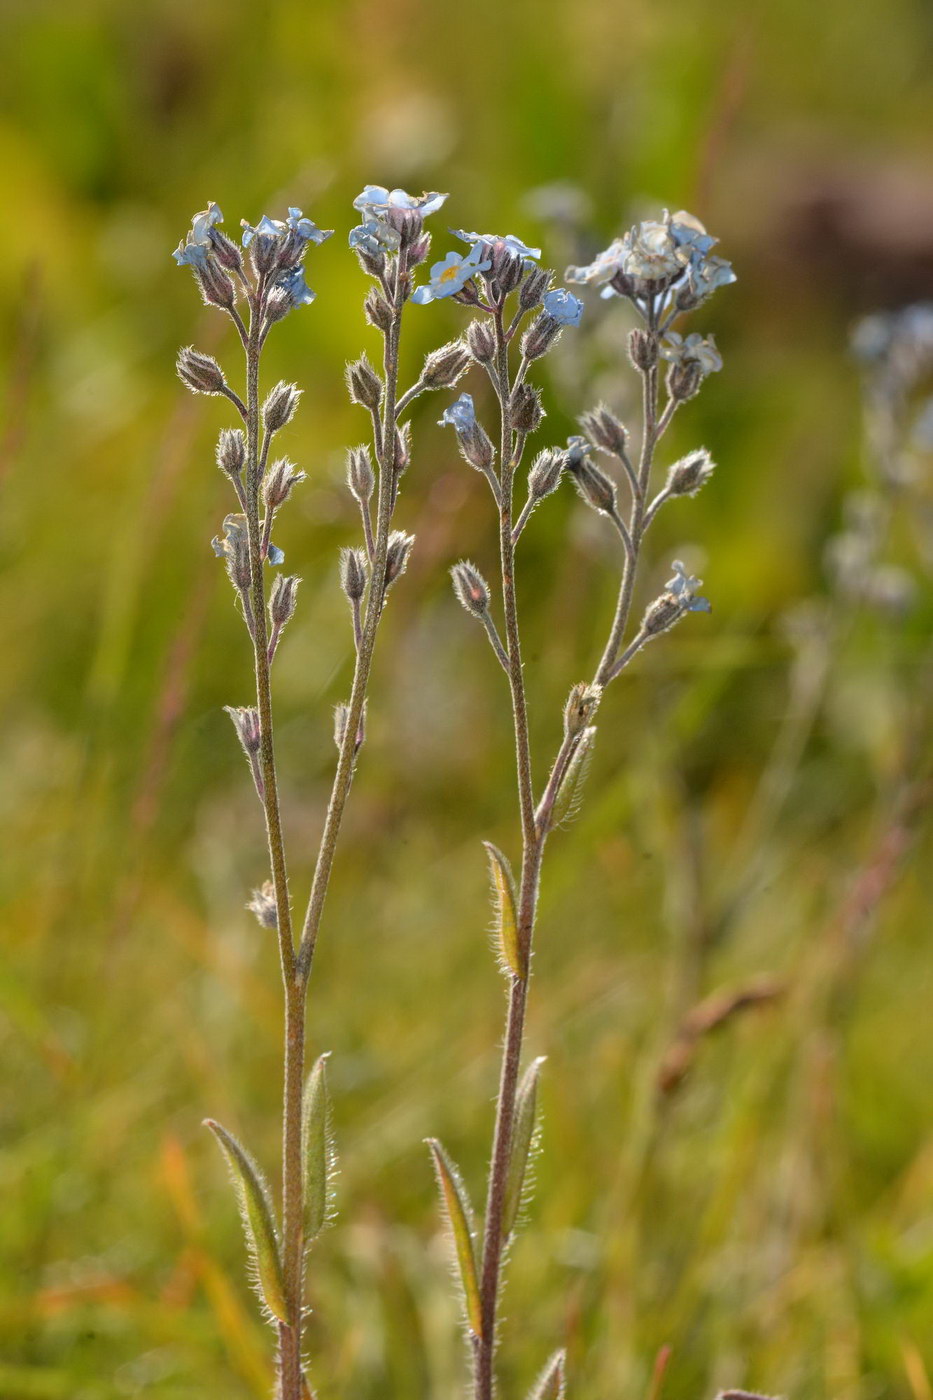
(258, 1220)
(571, 789)
(317, 1150)
(459, 1213)
(523, 1131)
(551, 1383)
(503, 888)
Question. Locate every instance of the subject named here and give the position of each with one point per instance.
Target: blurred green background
(770, 1217)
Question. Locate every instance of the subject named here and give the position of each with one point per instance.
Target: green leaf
(523, 1132)
(317, 1151)
(503, 889)
(459, 1213)
(552, 1382)
(571, 788)
(258, 1220)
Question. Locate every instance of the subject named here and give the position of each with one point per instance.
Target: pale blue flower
(459, 415)
(377, 200)
(274, 555)
(277, 228)
(375, 237)
(687, 231)
(563, 307)
(451, 276)
(194, 248)
(705, 275)
(684, 587)
(509, 241)
(603, 267)
(694, 349)
(294, 285)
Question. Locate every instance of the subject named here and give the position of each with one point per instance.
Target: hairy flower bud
(540, 336)
(470, 587)
(684, 380)
(231, 452)
(533, 288)
(201, 373)
(445, 366)
(545, 472)
(662, 613)
(246, 723)
(643, 350)
(580, 708)
(279, 408)
(226, 251)
(361, 479)
(526, 410)
(263, 905)
(482, 342)
(604, 429)
(687, 476)
(353, 573)
(476, 446)
(341, 719)
(364, 384)
(278, 482)
(596, 488)
(398, 554)
(283, 598)
(377, 310)
(278, 304)
(216, 287)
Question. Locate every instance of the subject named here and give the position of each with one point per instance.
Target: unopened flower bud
(353, 573)
(596, 488)
(226, 251)
(604, 429)
(470, 587)
(527, 413)
(476, 446)
(508, 271)
(401, 458)
(540, 336)
(278, 304)
(545, 472)
(482, 342)
(201, 373)
(377, 310)
(361, 478)
(246, 723)
(364, 384)
(662, 613)
(398, 554)
(263, 905)
(283, 599)
(231, 452)
(279, 408)
(278, 482)
(341, 719)
(216, 287)
(687, 476)
(684, 380)
(445, 366)
(533, 288)
(643, 350)
(419, 250)
(580, 708)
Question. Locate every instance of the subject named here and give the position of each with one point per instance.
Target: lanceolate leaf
(459, 1212)
(523, 1131)
(258, 1220)
(551, 1384)
(503, 887)
(571, 788)
(317, 1149)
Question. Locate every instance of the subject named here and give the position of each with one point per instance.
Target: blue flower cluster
(658, 256)
(386, 214)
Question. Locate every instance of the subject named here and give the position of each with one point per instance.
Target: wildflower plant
(663, 269)
(256, 285)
